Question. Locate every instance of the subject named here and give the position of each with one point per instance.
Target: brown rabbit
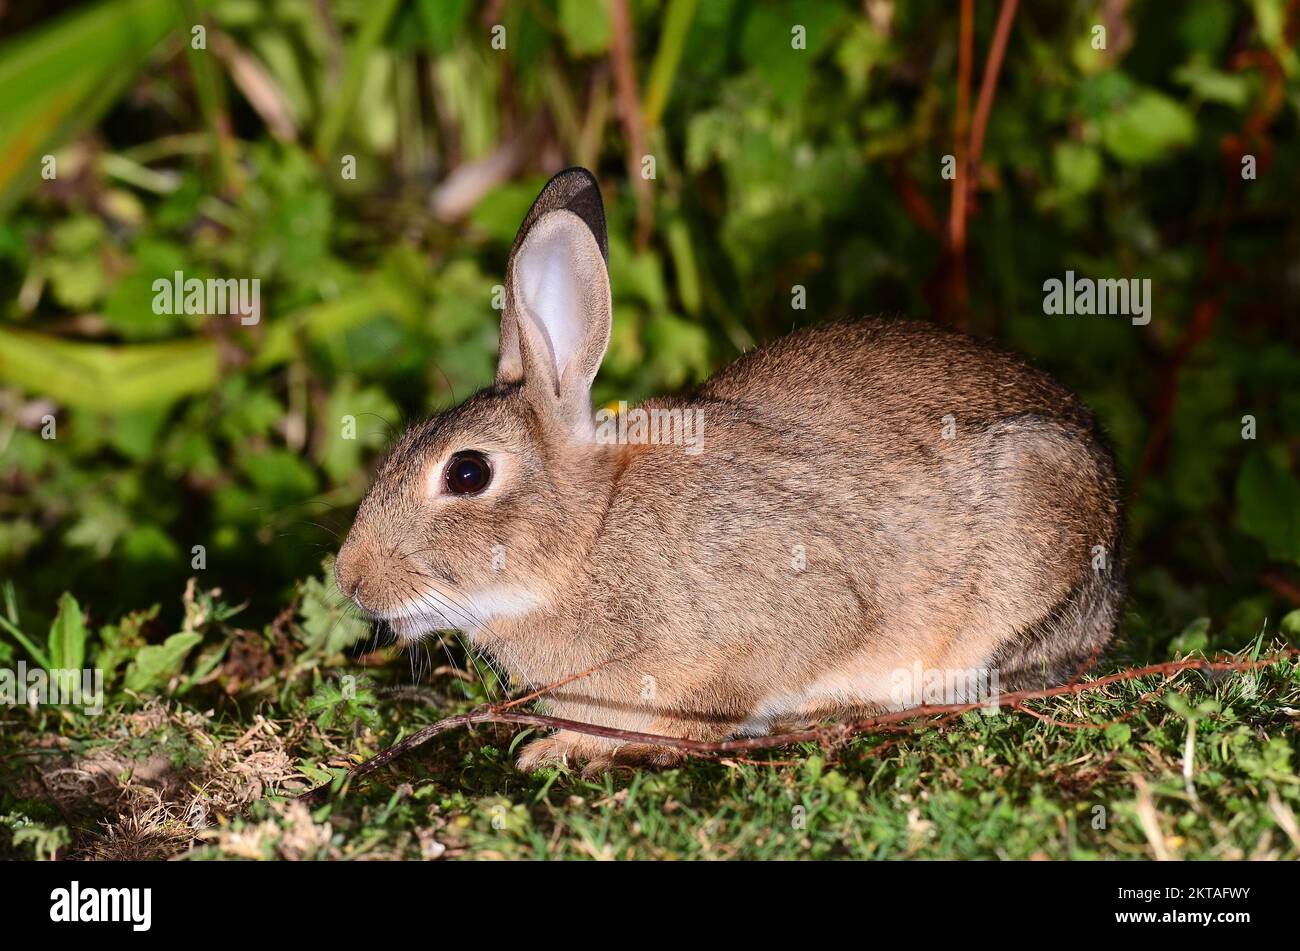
(860, 499)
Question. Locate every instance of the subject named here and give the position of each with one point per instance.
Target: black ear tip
(574, 189)
(571, 185)
(576, 174)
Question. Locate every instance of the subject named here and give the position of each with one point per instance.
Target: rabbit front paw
(594, 754)
(564, 748)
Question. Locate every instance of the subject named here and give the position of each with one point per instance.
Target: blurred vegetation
(774, 167)
(218, 138)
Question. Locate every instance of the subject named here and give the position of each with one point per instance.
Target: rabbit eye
(468, 473)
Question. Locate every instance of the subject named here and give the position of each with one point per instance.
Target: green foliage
(1268, 506)
(187, 447)
(1001, 786)
(58, 80)
(67, 643)
(329, 626)
(156, 664)
(41, 841)
(350, 704)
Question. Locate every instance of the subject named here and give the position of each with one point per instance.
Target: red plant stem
(621, 50)
(957, 211)
(827, 734)
(988, 85)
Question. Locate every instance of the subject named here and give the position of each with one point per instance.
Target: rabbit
(865, 497)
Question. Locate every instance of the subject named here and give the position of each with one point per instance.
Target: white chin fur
(471, 613)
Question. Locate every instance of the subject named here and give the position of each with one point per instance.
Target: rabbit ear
(556, 323)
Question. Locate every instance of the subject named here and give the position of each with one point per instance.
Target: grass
(206, 764)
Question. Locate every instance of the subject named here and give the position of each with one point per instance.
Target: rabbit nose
(347, 573)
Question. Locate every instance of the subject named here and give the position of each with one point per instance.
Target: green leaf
(441, 19)
(156, 664)
(355, 419)
(1215, 85)
(1178, 703)
(148, 544)
(1147, 128)
(1290, 626)
(44, 841)
(672, 43)
(17, 537)
(1194, 637)
(679, 350)
(136, 432)
(780, 42)
(112, 378)
(1207, 25)
(28, 644)
(585, 26)
(128, 307)
(67, 642)
(1078, 167)
(329, 623)
(280, 475)
(1268, 506)
(362, 48)
(121, 641)
(499, 212)
(77, 282)
(248, 412)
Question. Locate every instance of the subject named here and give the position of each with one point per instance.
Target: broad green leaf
(113, 378)
(1215, 85)
(67, 642)
(679, 350)
(136, 432)
(1147, 128)
(158, 663)
(149, 544)
(1207, 25)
